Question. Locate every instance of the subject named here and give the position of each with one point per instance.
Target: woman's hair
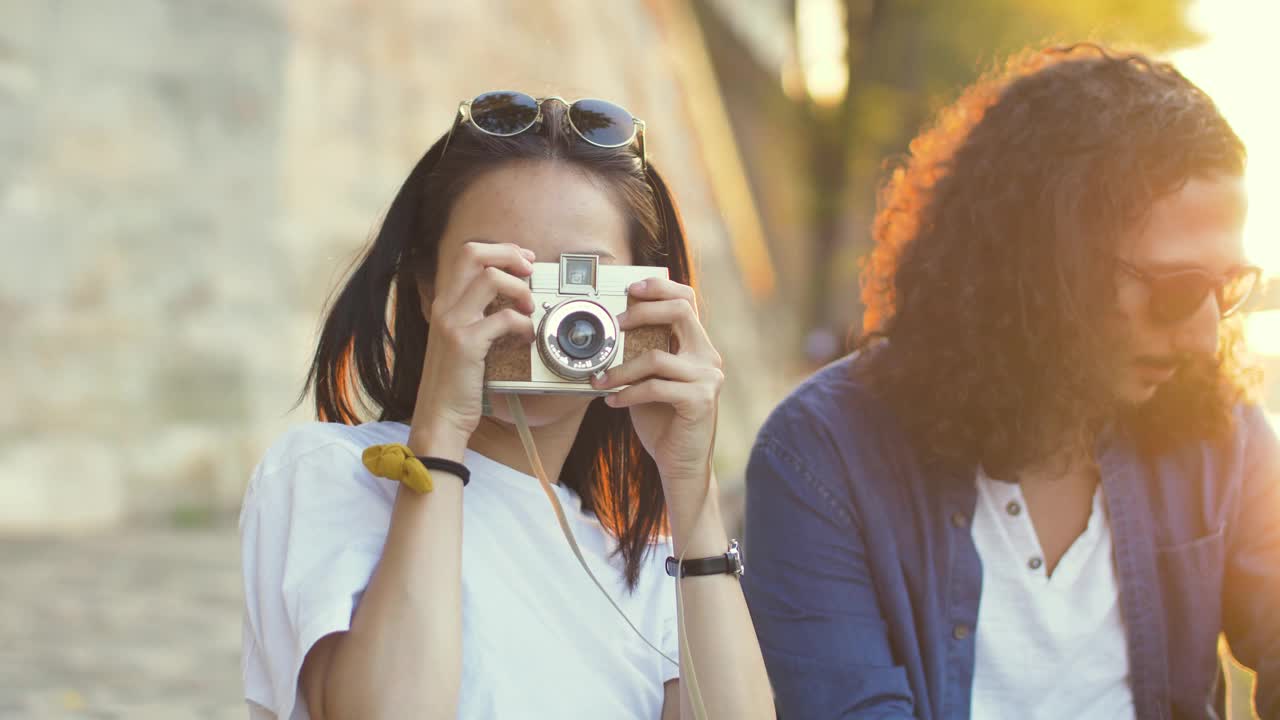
(994, 269)
(371, 349)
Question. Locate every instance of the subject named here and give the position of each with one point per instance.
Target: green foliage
(907, 58)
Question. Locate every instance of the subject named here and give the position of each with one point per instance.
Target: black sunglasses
(505, 113)
(1173, 297)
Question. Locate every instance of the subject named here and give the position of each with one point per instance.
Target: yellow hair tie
(397, 462)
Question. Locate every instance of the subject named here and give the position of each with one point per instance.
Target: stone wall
(183, 182)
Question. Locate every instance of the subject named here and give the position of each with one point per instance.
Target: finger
(474, 256)
(679, 314)
(500, 324)
(651, 364)
(490, 283)
(692, 398)
(660, 288)
(508, 256)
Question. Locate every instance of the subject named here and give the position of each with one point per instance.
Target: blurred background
(182, 183)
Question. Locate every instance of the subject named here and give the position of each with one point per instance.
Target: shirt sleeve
(809, 585)
(1253, 564)
(669, 641)
(312, 528)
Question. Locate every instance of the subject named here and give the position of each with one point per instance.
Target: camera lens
(576, 338)
(580, 335)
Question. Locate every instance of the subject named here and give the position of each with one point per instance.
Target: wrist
(699, 535)
(433, 441)
(686, 494)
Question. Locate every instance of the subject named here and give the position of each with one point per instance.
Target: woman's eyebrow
(586, 251)
(594, 251)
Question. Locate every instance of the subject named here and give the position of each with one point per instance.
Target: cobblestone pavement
(141, 624)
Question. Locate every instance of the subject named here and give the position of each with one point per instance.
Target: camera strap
(688, 679)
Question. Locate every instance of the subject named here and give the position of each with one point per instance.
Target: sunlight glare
(1227, 67)
(821, 41)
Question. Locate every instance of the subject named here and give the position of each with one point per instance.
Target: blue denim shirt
(864, 583)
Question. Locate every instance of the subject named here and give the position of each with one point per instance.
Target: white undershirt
(1048, 648)
(538, 639)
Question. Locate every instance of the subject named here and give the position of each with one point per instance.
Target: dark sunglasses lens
(1175, 298)
(504, 113)
(1236, 290)
(602, 123)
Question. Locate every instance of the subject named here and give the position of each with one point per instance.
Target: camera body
(576, 304)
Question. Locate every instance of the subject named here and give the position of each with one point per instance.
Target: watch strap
(729, 563)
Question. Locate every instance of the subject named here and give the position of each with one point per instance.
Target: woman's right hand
(449, 403)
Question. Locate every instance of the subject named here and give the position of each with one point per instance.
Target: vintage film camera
(576, 304)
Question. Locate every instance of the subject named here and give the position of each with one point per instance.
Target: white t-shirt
(1048, 647)
(538, 638)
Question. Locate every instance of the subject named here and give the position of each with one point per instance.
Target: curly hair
(995, 250)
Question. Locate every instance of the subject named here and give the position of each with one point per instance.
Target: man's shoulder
(1207, 475)
(832, 425)
(1252, 442)
(1253, 423)
(1249, 431)
(833, 397)
(834, 447)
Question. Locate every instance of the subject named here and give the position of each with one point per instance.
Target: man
(1037, 489)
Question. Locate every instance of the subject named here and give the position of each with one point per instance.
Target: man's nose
(1198, 335)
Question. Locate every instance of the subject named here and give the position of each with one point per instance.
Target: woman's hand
(672, 397)
(449, 401)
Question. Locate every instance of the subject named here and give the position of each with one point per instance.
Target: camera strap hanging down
(688, 678)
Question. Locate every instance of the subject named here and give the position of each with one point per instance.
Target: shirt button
(1035, 563)
(1013, 508)
(960, 631)
(960, 520)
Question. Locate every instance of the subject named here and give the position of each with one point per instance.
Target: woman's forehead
(548, 207)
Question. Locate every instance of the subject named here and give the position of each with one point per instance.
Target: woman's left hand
(672, 397)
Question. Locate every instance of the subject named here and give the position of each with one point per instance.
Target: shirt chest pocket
(1191, 584)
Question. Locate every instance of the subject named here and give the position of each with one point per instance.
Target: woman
(367, 599)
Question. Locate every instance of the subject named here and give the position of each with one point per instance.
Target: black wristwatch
(729, 563)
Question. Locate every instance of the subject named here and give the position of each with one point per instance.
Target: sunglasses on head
(504, 113)
(1172, 297)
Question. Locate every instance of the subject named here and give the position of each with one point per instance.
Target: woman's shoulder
(330, 439)
(320, 451)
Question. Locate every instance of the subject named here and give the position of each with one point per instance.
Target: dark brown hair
(365, 365)
(994, 257)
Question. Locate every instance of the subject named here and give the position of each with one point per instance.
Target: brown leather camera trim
(510, 359)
